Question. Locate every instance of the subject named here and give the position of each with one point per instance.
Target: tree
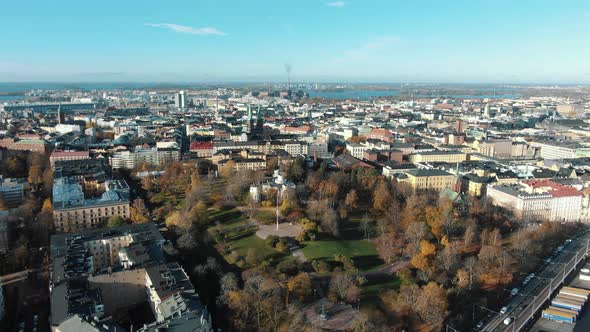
(251, 208)
(21, 253)
(351, 200)
(35, 175)
(300, 287)
(227, 170)
(198, 214)
(434, 220)
(365, 226)
(389, 246)
(139, 213)
(339, 285)
(3, 205)
(330, 222)
(195, 181)
(115, 221)
(432, 304)
(252, 257)
(296, 171)
(176, 219)
(48, 181)
(463, 279)
(427, 249)
(47, 206)
(382, 197)
(329, 190)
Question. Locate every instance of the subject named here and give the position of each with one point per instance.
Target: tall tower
(61, 118)
(250, 120)
(180, 100)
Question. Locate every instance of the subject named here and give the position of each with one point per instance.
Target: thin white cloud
(186, 29)
(338, 4)
(371, 47)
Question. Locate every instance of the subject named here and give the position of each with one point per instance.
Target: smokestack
(288, 68)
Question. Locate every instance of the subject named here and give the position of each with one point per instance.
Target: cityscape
(318, 166)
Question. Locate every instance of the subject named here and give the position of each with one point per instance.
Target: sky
(468, 41)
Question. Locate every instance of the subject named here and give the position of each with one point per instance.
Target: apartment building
(73, 212)
(560, 150)
(539, 200)
(438, 156)
(357, 150)
(12, 191)
(201, 149)
(67, 156)
(98, 277)
(427, 179)
(150, 155)
(244, 164)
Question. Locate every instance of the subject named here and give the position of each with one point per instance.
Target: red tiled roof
(58, 154)
(201, 145)
(554, 188)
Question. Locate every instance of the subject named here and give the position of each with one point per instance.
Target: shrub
(320, 266)
(282, 247)
(288, 267)
(272, 240)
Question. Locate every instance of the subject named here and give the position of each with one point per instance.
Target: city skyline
(323, 41)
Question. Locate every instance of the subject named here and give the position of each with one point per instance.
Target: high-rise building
(180, 100)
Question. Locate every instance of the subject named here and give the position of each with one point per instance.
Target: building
(67, 155)
(158, 156)
(99, 276)
(494, 147)
(347, 162)
(33, 145)
(244, 164)
(539, 200)
(202, 149)
(12, 191)
(2, 310)
(570, 110)
(438, 156)
(427, 179)
(357, 150)
(3, 235)
(560, 150)
(180, 100)
(73, 212)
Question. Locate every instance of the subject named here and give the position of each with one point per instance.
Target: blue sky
(357, 40)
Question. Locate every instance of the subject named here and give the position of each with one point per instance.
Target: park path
(285, 230)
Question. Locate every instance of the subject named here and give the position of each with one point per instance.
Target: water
(351, 94)
(14, 91)
(473, 96)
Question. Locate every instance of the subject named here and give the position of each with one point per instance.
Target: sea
(15, 91)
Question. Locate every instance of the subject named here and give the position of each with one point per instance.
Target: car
(479, 325)
(514, 291)
(507, 321)
(526, 280)
(568, 240)
(35, 318)
(547, 260)
(503, 310)
(560, 248)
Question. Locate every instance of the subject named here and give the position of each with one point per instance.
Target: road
(531, 297)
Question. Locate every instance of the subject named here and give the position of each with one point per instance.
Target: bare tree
(365, 226)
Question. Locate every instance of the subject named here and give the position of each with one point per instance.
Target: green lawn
(241, 239)
(252, 241)
(376, 288)
(266, 216)
(362, 252)
(243, 244)
(228, 218)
